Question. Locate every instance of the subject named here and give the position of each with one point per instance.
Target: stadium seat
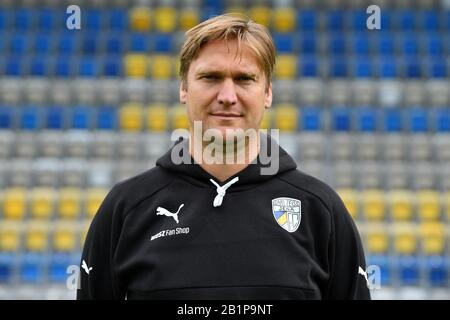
(43, 44)
(107, 118)
(309, 66)
(55, 118)
(338, 67)
(64, 238)
(157, 117)
(140, 19)
(437, 271)
(161, 67)
(308, 43)
(139, 43)
(358, 19)
(163, 43)
(261, 14)
(311, 118)
(286, 117)
(131, 115)
(432, 236)
(58, 265)
(115, 43)
(336, 44)
(373, 205)
(446, 197)
(14, 203)
(286, 67)
(135, 65)
(428, 205)
(90, 44)
(36, 237)
(350, 197)
(405, 239)
(386, 264)
(7, 267)
(179, 119)
(165, 19)
(188, 18)
(406, 20)
(377, 239)
(401, 203)
(68, 43)
(393, 120)
(81, 117)
(94, 198)
(437, 68)
(69, 203)
(335, 19)
(31, 269)
(93, 19)
(47, 19)
(409, 270)
(366, 119)
(307, 20)
(118, 19)
(284, 19)
(363, 67)
(412, 68)
(7, 117)
(434, 45)
(429, 20)
(10, 240)
(42, 201)
(341, 119)
(284, 43)
(409, 44)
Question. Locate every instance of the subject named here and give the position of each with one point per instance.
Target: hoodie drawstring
(221, 190)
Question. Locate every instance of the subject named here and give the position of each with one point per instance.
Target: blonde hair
(230, 26)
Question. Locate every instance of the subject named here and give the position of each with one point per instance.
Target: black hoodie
(168, 234)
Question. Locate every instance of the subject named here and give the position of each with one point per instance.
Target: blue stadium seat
(338, 67)
(63, 66)
(118, 19)
(54, 118)
(409, 44)
(284, 42)
(442, 120)
(308, 43)
(412, 68)
(386, 20)
(114, 43)
(30, 118)
(39, 66)
(335, 19)
(447, 20)
(311, 118)
(434, 44)
(430, 20)
(92, 19)
(358, 19)
(388, 67)
(366, 119)
(7, 115)
(386, 43)
(336, 43)
(307, 20)
(309, 66)
(14, 66)
(43, 43)
(210, 11)
(68, 43)
(107, 118)
(32, 267)
(438, 271)
(341, 119)
(437, 67)
(90, 43)
(7, 266)
(58, 264)
(392, 120)
(18, 43)
(87, 67)
(163, 42)
(81, 117)
(360, 43)
(112, 66)
(386, 265)
(23, 19)
(409, 270)
(139, 42)
(418, 119)
(48, 19)
(406, 20)
(4, 19)
(362, 67)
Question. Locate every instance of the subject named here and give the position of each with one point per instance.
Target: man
(206, 229)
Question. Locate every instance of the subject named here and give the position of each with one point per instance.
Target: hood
(247, 177)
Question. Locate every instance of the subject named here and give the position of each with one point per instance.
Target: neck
(223, 160)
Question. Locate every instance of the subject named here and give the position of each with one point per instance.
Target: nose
(227, 94)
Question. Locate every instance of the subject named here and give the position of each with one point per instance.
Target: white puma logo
(85, 267)
(364, 274)
(163, 212)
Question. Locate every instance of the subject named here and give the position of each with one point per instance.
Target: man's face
(226, 90)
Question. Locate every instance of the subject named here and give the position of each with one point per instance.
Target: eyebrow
(220, 73)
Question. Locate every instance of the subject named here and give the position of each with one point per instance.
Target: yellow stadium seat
(140, 19)
(428, 206)
(42, 202)
(165, 19)
(377, 239)
(284, 19)
(373, 204)
(64, 239)
(9, 237)
(405, 238)
(131, 115)
(161, 67)
(70, 200)
(179, 117)
(286, 116)
(286, 67)
(266, 122)
(157, 117)
(188, 18)
(350, 199)
(261, 15)
(94, 198)
(14, 203)
(401, 205)
(136, 65)
(433, 237)
(36, 238)
(236, 10)
(447, 204)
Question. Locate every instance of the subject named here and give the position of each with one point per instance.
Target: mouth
(226, 115)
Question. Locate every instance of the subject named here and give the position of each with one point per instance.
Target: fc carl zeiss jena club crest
(287, 213)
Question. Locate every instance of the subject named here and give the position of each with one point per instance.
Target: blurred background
(367, 111)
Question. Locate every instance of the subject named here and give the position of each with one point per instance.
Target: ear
(183, 92)
(268, 96)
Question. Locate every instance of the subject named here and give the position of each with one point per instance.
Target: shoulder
(313, 186)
